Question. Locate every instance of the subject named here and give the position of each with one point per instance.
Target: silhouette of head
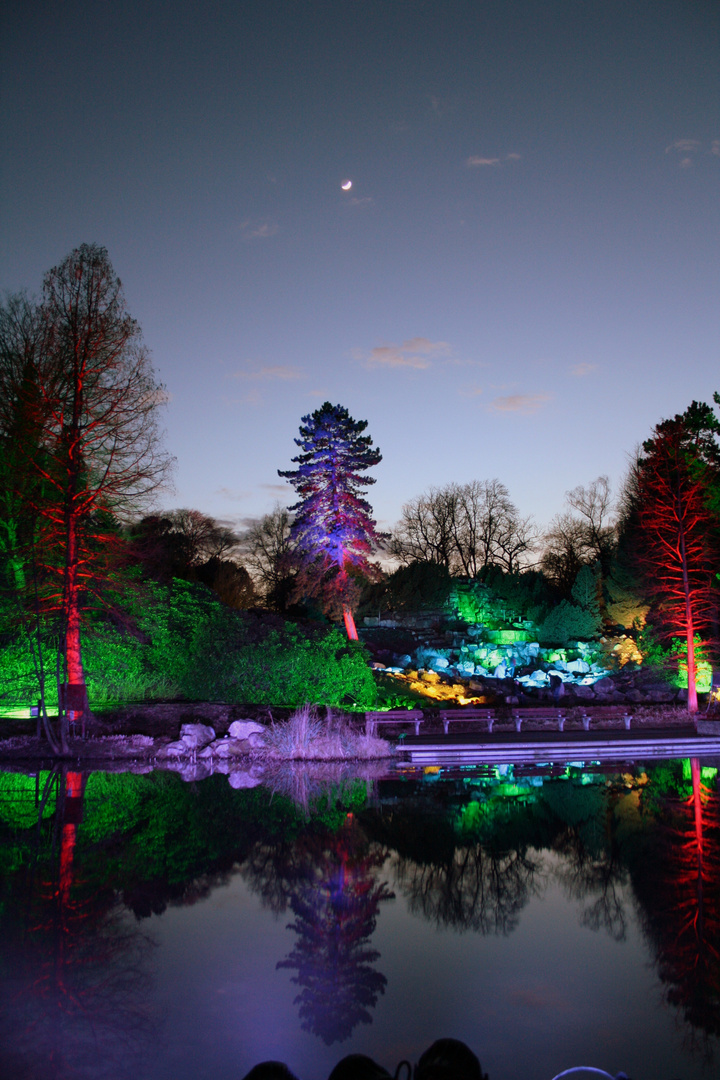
(270, 1070)
(449, 1059)
(358, 1067)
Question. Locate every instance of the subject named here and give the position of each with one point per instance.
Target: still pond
(550, 917)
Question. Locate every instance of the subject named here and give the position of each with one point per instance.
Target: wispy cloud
(257, 230)
(365, 200)
(471, 391)
(683, 146)
(478, 160)
(276, 489)
(271, 372)
(579, 370)
(417, 352)
(525, 404)
(690, 151)
(232, 494)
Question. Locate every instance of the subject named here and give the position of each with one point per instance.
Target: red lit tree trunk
(350, 625)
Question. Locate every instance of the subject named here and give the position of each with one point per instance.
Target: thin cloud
(525, 404)
(715, 147)
(683, 146)
(415, 353)
(271, 372)
(257, 230)
(478, 161)
(583, 369)
(277, 489)
(365, 200)
(232, 494)
(471, 391)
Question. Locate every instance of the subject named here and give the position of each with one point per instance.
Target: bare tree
(580, 538)
(594, 506)
(425, 532)
(101, 459)
(266, 545)
(464, 527)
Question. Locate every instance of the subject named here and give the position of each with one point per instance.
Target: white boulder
(241, 729)
(196, 736)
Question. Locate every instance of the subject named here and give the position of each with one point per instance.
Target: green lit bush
(567, 622)
(210, 652)
(180, 641)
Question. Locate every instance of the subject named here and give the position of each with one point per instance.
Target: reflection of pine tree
(335, 908)
(681, 901)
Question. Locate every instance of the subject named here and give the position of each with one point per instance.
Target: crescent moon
(346, 185)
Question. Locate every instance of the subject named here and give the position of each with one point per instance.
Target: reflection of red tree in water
(682, 908)
(335, 908)
(73, 973)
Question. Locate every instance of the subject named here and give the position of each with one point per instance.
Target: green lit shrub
(213, 653)
(567, 622)
(180, 641)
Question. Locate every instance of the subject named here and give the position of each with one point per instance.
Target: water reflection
(675, 877)
(74, 967)
(335, 901)
(89, 858)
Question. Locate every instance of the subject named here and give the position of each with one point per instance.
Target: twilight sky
(522, 280)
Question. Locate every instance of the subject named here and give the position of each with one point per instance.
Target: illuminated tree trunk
(350, 624)
(689, 629)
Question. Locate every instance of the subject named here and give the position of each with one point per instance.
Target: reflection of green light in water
(17, 799)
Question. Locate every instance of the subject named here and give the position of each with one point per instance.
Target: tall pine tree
(333, 530)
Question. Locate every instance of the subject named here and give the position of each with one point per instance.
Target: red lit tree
(676, 480)
(88, 393)
(333, 530)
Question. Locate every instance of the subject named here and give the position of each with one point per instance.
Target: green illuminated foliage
(567, 622)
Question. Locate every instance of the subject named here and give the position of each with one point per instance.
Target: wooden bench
(605, 712)
(539, 713)
(465, 714)
(393, 716)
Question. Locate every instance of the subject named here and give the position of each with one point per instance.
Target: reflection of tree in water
(73, 966)
(590, 870)
(677, 881)
(329, 881)
(474, 889)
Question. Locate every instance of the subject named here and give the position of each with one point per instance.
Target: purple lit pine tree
(333, 529)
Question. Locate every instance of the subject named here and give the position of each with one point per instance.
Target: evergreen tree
(333, 530)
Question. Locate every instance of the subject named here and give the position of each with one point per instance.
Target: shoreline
(149, 736)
